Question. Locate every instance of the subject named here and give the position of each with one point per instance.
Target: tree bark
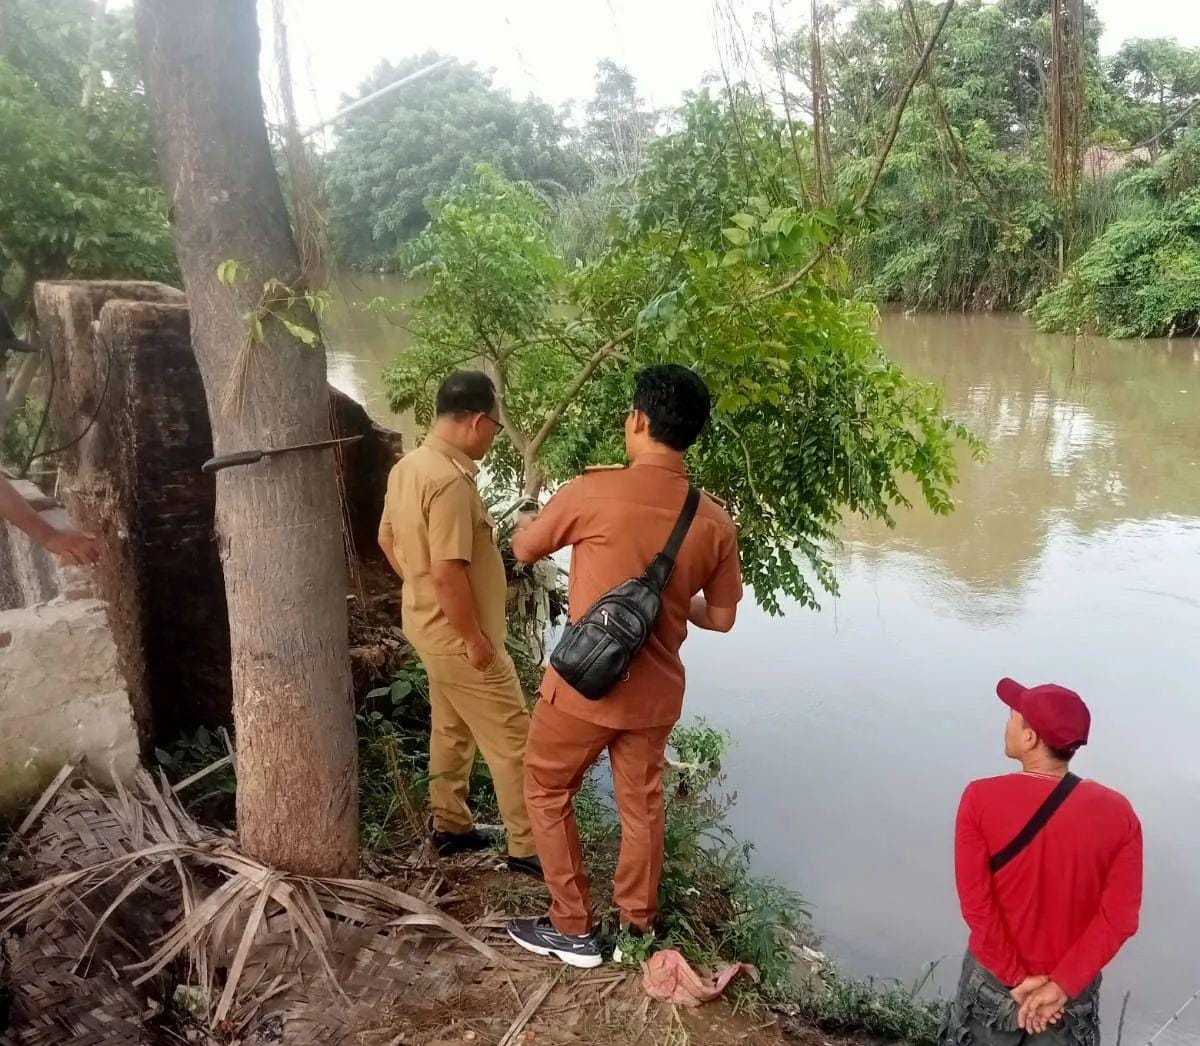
(278, 523)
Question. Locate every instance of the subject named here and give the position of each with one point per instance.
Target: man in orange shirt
(616, 521)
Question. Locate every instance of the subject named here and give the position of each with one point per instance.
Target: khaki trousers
(561, 749)
(485, 711)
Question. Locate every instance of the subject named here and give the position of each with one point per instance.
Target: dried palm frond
(134, 888)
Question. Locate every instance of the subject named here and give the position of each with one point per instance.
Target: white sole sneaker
(581, 962)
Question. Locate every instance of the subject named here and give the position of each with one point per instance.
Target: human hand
(480, 652)
(73, 547)
(1031, 983)
(1042, 1007)
(524, 519)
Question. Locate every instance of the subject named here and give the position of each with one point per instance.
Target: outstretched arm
(71, 546)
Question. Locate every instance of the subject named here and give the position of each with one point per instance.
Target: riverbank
(716, 910)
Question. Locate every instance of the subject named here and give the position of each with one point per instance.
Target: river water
(1073, 556)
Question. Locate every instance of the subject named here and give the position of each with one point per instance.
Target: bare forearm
(16, 510)
(714, 619)
(454, 596)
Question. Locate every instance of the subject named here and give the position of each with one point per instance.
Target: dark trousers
(983, 1013)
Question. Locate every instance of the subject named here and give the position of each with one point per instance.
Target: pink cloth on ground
(668, 976)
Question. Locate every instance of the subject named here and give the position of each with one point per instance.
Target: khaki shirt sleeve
(451, 518)
(559, 524)
(724, 588)
(387, 536)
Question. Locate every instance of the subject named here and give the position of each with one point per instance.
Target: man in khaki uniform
(439, 538)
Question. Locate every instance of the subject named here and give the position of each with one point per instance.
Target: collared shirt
(1069, 900)
(433, 513)
(616, 521)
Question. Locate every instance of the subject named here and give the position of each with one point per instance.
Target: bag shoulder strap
(682, 524)
(659, 572)
(1036, 823)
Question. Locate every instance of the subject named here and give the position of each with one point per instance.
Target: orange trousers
(560, 750)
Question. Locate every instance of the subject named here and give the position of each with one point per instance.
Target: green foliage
(420, 142)
(1139, 279)
(616, 125)
(393, 764)
(965, 218)
(16, 442)
(719, 263)
(291, 308)
(1157, 81)
(79, 190)
(887, 1009)
(963, 214)
(211, 799)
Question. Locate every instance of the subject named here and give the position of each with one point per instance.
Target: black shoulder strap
(682, 524)
(1036, 823)
(658, 573)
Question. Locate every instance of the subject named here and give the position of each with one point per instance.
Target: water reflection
(1090, 431)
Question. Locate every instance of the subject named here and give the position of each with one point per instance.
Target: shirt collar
(468, 467)
(661, 461)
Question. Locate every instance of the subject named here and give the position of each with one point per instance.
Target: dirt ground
(542, 1001)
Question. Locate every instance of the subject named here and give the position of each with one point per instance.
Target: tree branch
(791, 281)
(605, 351)
(902, 104)
(764, 507)
(1166, 130)
(515, 435)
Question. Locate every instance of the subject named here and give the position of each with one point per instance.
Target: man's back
(1069, 899)
(433, 512)
(617, 521)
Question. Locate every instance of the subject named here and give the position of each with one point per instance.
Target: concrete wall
(62, 695)
(128, 393)
(122, 352)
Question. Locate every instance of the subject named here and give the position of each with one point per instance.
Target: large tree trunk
(278, 522)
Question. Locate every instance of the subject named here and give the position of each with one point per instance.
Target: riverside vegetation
(749, 233)
(715, 909)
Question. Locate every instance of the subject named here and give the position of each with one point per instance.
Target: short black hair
(675, 401)
(466, 392)
(1063, 755)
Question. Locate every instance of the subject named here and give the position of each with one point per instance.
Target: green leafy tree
(965, 216)
(1140, 278)
(617, 125)
(409, 147)
(1160, 81)
(79, 192)
(720, 264)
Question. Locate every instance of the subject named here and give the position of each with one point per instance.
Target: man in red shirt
(616, 520)
(1047, 906)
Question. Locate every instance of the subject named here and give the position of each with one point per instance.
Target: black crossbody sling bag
(1036, 823)
(595, 651)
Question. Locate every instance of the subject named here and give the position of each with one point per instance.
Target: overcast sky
(550, 47)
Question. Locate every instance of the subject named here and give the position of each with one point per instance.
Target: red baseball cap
(1058, 715)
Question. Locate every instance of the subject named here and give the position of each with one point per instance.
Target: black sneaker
(449, 843)
(540, 937)
(531, 866)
